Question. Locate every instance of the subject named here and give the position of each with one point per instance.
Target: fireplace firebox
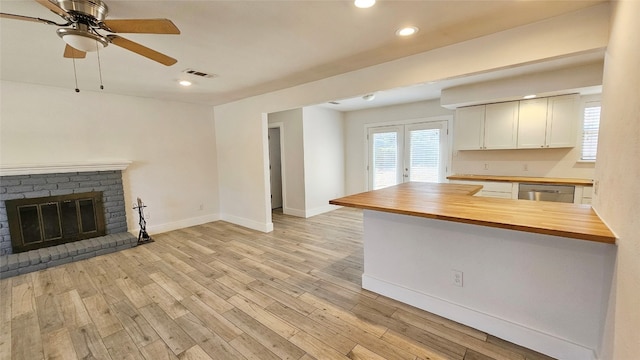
(47, 221)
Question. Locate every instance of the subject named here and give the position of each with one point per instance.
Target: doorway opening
(275, 168)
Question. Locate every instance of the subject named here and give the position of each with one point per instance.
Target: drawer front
(493, 186)
(495, 194)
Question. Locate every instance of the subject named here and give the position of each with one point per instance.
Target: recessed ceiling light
(184, 83)
(369, 97)
(363, 4)
(407, 31)
(529, 97)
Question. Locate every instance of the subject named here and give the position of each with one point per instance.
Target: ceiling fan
(85, 22)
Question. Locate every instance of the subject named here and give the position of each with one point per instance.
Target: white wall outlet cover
(456, 277)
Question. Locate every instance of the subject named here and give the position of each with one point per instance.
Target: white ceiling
(256, 46)
(432, 90)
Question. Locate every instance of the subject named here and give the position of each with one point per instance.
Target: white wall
(313, 158)
(171, 145)
(563, 163)
(241, 126)
(545, 83)
(293, 159)
(355, 144)
(323, 158)
(618, 172)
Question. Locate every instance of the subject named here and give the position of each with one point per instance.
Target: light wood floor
(219, 291)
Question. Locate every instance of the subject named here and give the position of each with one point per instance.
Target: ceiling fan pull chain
(99, 66)
(75, 75)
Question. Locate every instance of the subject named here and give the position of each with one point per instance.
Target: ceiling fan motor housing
(93, 10)
(86, 16)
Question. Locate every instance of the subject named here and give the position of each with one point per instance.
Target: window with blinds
(425, 155)
(590, 128)
(385, 159)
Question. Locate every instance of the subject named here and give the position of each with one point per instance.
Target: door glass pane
(424, 155)
(385, 159)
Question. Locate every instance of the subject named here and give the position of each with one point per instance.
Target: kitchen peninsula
(534, 273)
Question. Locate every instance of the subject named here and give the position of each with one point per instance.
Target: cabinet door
(501, 126)
(532, 123)
(469, 128)
(562, 117)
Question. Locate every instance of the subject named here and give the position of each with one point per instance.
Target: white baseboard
(309, 213)
(502, 328)
(180, 224)
(248, 223)
(320, 210)
(293, 212)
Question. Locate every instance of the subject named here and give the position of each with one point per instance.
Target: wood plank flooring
(219, 291)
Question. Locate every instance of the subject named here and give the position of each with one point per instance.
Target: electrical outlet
(525, 167)
(201, 207)
(456, 277)
(486, 166)
(596, 185)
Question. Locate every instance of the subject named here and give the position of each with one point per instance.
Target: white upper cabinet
(563, 113)
(501, 125)
(532, 124)
(485, 127)
(548, 123)
(528, 124)
(469, 128)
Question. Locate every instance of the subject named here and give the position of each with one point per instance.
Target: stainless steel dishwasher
(545, 192)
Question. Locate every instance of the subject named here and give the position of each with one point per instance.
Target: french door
(410, 152)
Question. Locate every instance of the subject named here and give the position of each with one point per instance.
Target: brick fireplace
(32, 182)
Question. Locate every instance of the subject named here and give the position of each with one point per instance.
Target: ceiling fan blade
(53, 7)
(72, 53)
(142, 50)
(26, 18)
(142, 26)
(19, 17)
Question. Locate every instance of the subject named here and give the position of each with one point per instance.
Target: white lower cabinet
(586, 195)
(493, 189)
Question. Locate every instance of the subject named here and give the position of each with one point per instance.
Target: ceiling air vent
(199, 73)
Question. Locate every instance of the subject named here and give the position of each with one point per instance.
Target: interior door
(275, 168)
(385, 156)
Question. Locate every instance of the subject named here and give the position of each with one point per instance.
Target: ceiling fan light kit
(82, 40)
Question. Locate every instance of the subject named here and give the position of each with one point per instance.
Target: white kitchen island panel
(544, 292)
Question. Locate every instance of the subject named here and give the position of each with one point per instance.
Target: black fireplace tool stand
(143, 237)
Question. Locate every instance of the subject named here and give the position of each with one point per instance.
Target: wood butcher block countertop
(453, 202)
(523, 179)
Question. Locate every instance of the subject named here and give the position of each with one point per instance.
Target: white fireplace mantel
(55, 168)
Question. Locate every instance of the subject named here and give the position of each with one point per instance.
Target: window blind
(385, 159)
(590, 131)
(425, 155)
